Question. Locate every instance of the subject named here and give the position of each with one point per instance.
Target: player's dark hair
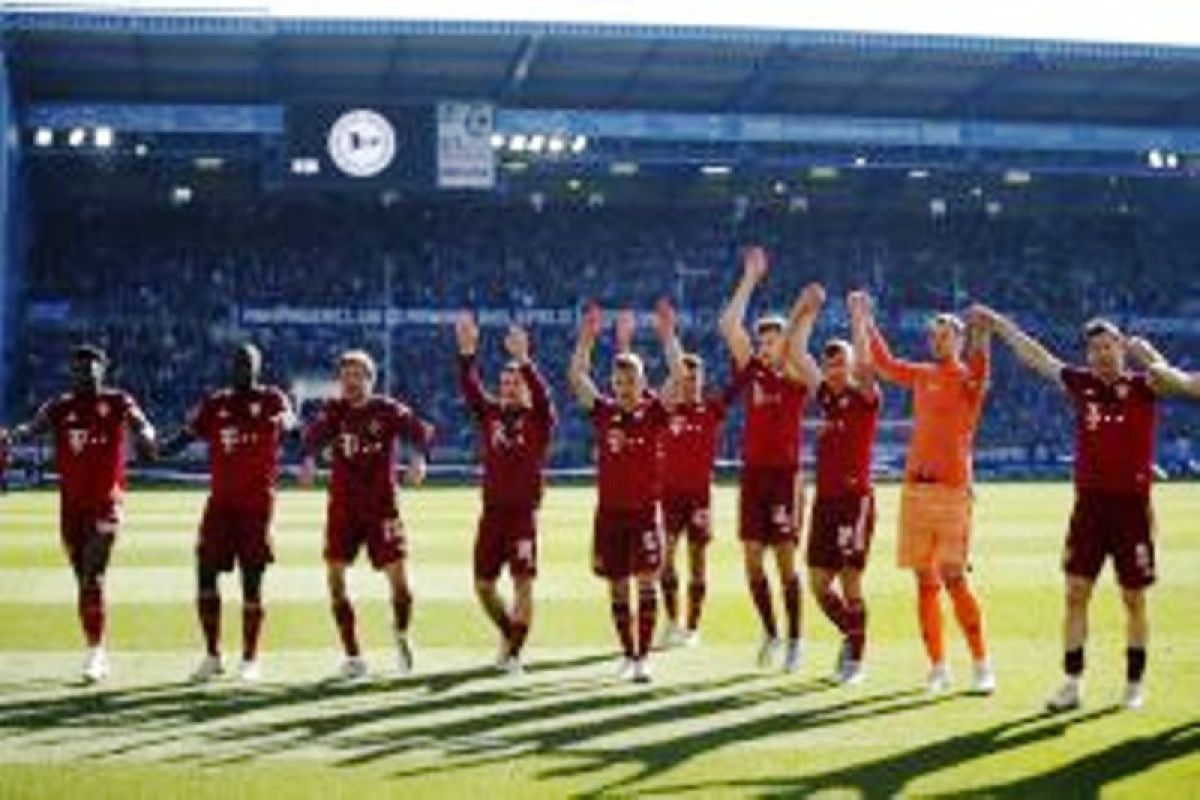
(89, 352)
(692, 361)
(835, 347)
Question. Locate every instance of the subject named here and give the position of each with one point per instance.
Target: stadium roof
(260, 59)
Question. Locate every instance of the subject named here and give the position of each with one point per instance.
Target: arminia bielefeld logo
(362, 143)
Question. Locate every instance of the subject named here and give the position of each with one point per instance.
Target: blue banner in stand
(465, 158)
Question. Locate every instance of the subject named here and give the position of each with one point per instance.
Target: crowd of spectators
(164, 291)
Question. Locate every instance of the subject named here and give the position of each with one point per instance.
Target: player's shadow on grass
(1088, 775)
(403, 726)
(150, 714)
(890, 776)
(637, 715)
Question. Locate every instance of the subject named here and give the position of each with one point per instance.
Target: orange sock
(929, 611)
(970, 618)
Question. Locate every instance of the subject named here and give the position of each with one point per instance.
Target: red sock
(969, 616)
(516, 637)
(624, 625)
(670, 590)
(647, 615)
(696, 591)
(856, 628)
(252, 620)
(208, 609)
(402, 612)
(835, 608)
(343, 614)
(929, 611)
(91, 614)
(760, 591)
(791, 603)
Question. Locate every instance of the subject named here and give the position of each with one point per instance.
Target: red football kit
(242, 429)
(771, 445)
(627, 535)
(514, 444)
(843, 518)
(1115, 427)
(363, 508)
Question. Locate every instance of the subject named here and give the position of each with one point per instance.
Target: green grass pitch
(710, 726)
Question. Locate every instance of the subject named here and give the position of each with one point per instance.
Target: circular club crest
(362, 143)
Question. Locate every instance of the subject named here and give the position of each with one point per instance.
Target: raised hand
(590, 322)
(754, 264)
(516, 342)
(665, 319)
(1142, 351)
(812, 297)
(626, 325)
(983, 317)
(467, 332)
(859, 304)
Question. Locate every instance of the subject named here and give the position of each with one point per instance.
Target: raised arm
(799, 361)
(979, 351)
(1028, 350)
(516, 342)
(666, 328)
(1165, 378)
(470, 384)
(864, 365)
(579, 372)
(733, 318)
(890, 368)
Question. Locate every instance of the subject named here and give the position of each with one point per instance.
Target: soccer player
(242, 426)
(362, 430)
(689, 450)
(935, 503)
(515, 427)
(777, 379)
(843, 514)
(627, 537)
(1116, 415)
(88, 424)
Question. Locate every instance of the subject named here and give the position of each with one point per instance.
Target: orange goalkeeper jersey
(947, 403)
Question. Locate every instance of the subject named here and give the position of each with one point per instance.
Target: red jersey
(363, 441)
(689, 445)
(242, 429)
(1114, 431)
(845, 440)
(89, 445)
(515, 442)
(774, 416)
(627, 443)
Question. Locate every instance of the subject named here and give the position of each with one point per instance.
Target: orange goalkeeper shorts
(935, 526)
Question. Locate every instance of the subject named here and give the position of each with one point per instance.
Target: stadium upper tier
(256, 59)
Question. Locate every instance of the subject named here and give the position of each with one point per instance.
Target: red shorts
(767, 505)
(235, 534)
(1105, 524)
(839, 536)
(688, 514)
(506, 536)
(80, 525)
(626, 543)
(346, 532)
